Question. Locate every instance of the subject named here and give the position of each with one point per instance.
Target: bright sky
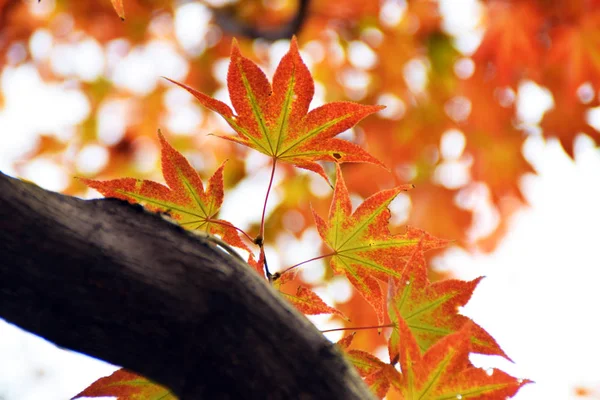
(540, 295)
(540, 292)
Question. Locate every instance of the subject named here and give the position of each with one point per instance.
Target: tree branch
(226, 19)
(113, 281)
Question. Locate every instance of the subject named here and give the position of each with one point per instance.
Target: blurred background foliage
(466, 83)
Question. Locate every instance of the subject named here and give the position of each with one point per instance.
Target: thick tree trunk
(113, 281)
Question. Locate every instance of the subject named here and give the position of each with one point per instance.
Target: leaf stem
(307, 261)
(359, 328)
(261, 235)
(267, 273)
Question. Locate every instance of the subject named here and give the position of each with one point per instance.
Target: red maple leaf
(512, 27)
(445, 372)
(431, 310)
(185, 198)
(304, 299)
(573, 57)
(363, 247)
(126, 385)
(442, 372)
(309, 303)
(378, 375)
(275, 119)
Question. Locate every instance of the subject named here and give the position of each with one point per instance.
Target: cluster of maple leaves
(429, 340)
(550, 42)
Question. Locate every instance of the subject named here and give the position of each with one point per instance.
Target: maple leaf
(567, 118)
(309, 303)
(305, 300)
(257, 265)
(445, 372)
(126, 385)
(431, 310)
(345, 342)
(363, 247)
(511, 28)
(379, 376)
(573, 57)
(275, 119)
(185, 198)
(118, 6)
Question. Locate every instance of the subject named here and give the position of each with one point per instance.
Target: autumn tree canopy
(450, 127)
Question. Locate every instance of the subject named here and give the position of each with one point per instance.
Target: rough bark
(111, 280)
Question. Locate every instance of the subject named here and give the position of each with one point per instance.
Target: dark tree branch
(113, 281)
(229, 23)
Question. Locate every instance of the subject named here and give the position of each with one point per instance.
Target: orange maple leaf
(431, 310)
(379, 376)
(305, 300)
(573, 57)
(185, 198)
(363, 247)
(445, 372)
(275, 119)
(309, 303)
(118, 6)
(512, 27)
(126, 385)
(257, 265)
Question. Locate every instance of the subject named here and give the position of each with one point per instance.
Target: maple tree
(461, 116)
(276, 122)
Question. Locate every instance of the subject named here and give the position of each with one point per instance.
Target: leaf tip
(119, 9)
(182, 85)
(294, 44)
(161, 137)
(381, 165)
(87, 182)
(346, 341)
(235, 48)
